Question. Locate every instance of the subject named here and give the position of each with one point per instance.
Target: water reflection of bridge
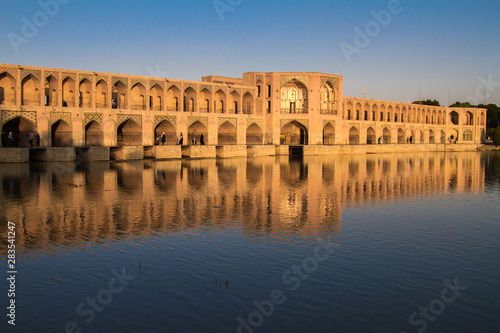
(54, 203)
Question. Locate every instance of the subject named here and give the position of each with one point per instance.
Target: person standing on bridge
(181, 140)
(30, 137)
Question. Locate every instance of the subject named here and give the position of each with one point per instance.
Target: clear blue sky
(428, 46)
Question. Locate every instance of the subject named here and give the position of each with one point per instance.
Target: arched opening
(173, 98)
(195, 131)
(85, 94)
(30, 90)
(166, 127)
(50, 91)
(421, 136)
(294, 97)
(247, 103)
(452, 136)
(401, 136)
(370, 136)
(386, 135)
(20, 128)
(254, 135)
(7, 89)
(61, 134)
(94, 135)
(206, 97)
(68, 97)
(329, 134)
(327, 100)
(443, 137)
(469, 119)
(156, 95)
(118, 96)
(454, 117)
(101, 94)
(227, 134)
(431, 136)
(220, 98)
(294, 133)
(129, 133)
(468, 136)
(353, 136)
(189, 100)
(234, 99)
(137, 97)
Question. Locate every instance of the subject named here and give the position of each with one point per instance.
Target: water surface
(275, 244)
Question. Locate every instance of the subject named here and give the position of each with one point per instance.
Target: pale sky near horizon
(423, 49)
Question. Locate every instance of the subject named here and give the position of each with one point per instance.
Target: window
(268, 90)
(366, 115)
(258, 91)
(357, 114)
(268, 106)
(349, 114)
(381, 116)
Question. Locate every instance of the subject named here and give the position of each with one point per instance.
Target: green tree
(496, 138)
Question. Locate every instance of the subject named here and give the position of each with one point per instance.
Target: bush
(496, 137)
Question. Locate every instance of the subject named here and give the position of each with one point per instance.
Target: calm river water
(377, 243)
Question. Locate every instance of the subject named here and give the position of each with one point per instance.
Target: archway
(194, 133)
(155, 98)
(169, 130)
(173, 97)
(101, 94)
(353, 136)
(254, 135)
(227, 134)
(329, 134)
(137, 97)
(431, 136)
(94, 135)
(387, 135)
(61, 134)
(220, 99)
(7, 89)
(50, 91)
(30, 90)
(443, 137)
(370, 136)
(129, 133)
(21, 128)
(247, 103)
(454, 118)
(68, 95)
(294, 133)
(452, 136)
(189, 100)
(401, 136)
(85, 99)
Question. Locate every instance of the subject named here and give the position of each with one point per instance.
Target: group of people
(12, 139)
(160, 139)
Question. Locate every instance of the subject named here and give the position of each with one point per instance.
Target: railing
(325, 111)
(294, 111)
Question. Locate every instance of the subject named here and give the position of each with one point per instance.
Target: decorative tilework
(258, 122)
(303, 122)
(328, 121)
(70, 75)
(231, 120)
(101, 77)
(65, 116)
(93, 116)
(121, 79)
(170, 119)
(189, 85)
(10, 70)
(193, 119)
(204, 86)
(26, 72)
(287, 78)
(333, 81)
(85, 76)
(28, 115)
(54, 74)
(137, 118)
(222, 88)
(161, 84)
(133, 82)
(356, 126)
